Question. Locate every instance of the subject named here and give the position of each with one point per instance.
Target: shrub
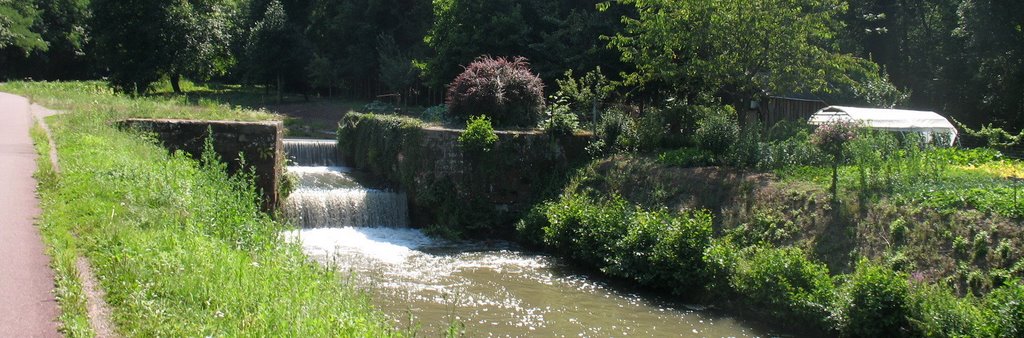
(584, 93)
(530, 229)
(717, 131)
(877, 302)
(655, 248)
(1004, 309)
(433, 113)
(585, 229)
(479, 136)
(936, 312)
(663, 250)
(559, 119)
(720, 260)
(746, 151)
(787, 146)
(505, 89)
(784, 283)
(650, 132)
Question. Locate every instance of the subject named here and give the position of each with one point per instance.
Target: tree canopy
(960, 57)
(16, 26)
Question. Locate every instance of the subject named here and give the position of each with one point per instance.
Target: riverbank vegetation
(180, 248)
(916, 240)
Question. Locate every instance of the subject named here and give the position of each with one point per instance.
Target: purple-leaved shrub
(503, 89)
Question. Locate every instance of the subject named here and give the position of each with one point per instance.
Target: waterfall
(327, 196)
(322, 208)
(310, 152)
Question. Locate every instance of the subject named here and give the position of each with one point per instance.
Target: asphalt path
(27, 305)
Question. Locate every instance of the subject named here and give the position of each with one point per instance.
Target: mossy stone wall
(465, 193)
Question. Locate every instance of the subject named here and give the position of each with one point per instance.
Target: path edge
(97, 309)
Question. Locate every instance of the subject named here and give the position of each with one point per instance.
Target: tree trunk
(280, 95)
(176, 83)
(835, 181)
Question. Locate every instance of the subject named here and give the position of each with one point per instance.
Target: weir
(327, 196)
(492, 287)
(312, 152)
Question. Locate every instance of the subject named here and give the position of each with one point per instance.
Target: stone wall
(477, 194)
(259, 142)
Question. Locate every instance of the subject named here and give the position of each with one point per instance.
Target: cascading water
(493, 288)
(327, 196)
(312, 152)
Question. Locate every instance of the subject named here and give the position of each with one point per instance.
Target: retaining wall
(476, 194)
(260, 143)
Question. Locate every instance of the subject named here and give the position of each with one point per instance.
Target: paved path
(27, 304)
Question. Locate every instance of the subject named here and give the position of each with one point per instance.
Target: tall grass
(180, 248)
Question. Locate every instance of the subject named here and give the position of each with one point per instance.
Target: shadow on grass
(304, 116)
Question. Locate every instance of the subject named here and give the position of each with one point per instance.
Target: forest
(962, 58)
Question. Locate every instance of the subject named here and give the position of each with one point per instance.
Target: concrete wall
(259, 142)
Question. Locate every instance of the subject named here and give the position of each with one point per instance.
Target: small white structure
(925, 122)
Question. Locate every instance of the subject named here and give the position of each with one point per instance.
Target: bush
(479, 136)
(787, 146)
(585, 229)
(504, 89)
(936, 312)
(717, 131)
(655, 248)
(614, 128)
(434, 113)
(877, 302)
(584, 93)
(663, 250)
(784, 283)
(559, 119)
(1004, 309)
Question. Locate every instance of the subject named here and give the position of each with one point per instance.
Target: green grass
(74, 320)
(180, 248)
(96, 96)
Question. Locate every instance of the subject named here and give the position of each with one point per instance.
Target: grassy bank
(883, 260)
(180, 248)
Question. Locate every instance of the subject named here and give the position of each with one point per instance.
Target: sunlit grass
(180, 248)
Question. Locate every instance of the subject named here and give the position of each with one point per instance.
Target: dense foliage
(655, 248)
(479, 136)
(957, 57)
(505, 90)
(141, 41)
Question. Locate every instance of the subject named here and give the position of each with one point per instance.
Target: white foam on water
(387, 245)
(318, 169)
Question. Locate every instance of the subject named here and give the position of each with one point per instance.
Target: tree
(16, 23)
(139, 41)
(734, 49)
(348, 34)
(61, 25)
(397, 71)
(555, 35)
(276, 50)
(832, 138)
(993, 32)
(197, 38)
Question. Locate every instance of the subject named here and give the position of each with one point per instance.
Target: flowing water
(491, 287)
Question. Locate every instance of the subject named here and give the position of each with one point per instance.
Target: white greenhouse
(925, 122)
